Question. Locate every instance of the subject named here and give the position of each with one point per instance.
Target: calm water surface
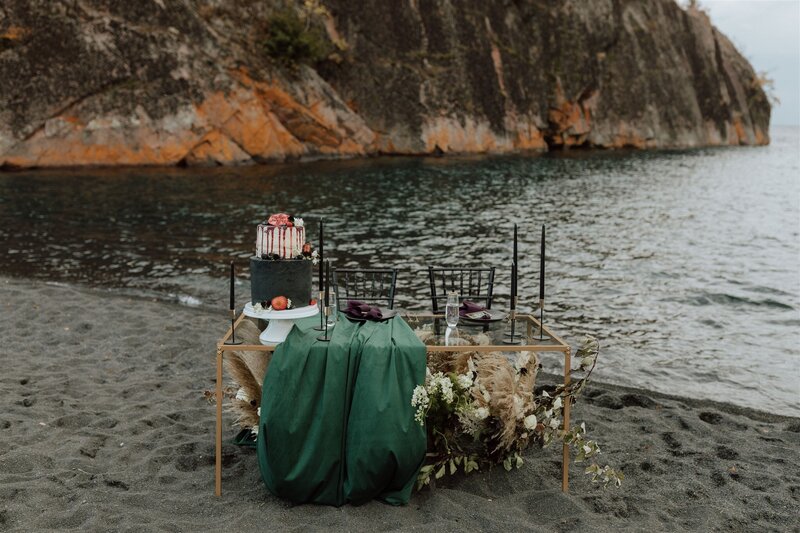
(684, 263)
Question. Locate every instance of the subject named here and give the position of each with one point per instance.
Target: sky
(766, 32)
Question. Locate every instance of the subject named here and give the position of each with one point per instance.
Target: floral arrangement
(479, 409)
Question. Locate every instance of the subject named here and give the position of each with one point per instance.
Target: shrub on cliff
(292, 40)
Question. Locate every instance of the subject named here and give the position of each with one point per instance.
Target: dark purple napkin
(357, 309)
(470, 309)
(468, 306)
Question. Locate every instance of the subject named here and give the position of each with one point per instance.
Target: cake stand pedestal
(280, 322)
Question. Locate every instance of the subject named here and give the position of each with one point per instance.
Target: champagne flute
(334, 314)
(451, 311)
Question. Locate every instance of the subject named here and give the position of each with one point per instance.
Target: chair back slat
(375, 286)
(475, 284)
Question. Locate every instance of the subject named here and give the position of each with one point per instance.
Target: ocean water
(685, 264)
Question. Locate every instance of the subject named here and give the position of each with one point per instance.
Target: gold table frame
(530, 323)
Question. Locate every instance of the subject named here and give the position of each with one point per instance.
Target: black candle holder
(325, 337)
(511, 336)
(322, 319)
(232, 341)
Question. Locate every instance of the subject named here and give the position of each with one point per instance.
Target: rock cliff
(113, 82)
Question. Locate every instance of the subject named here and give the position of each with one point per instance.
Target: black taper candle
(541, 268)
(513, 286)
(232, 278)
(516, 259)
(321, 258)
(327, 281)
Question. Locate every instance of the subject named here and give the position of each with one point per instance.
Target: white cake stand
(280, 322)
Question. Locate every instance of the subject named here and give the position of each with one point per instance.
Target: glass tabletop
(468, 335)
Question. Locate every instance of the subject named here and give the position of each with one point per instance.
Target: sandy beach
(104, 426)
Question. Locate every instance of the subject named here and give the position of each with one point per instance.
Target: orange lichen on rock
(14, 33)
(741, 136)
(529, 138)
(761, 138)
(570, 120)
(251, 120)
(307, 124)
(461, 136)
(244, 117)
(626, 136)
(73, 150)
(216, 148)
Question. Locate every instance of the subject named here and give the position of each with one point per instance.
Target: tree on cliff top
(294, 37)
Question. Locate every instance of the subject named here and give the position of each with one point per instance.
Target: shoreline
(697, 403)
(105, 426)
(345, 158)
(135, 294)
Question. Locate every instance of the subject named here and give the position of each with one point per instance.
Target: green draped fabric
(337, 424)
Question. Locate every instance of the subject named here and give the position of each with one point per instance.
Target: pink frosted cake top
(282, 237)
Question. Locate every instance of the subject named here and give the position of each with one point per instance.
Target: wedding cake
(282, 264)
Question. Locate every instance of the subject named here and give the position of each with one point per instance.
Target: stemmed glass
(334, 310)
(451, 311)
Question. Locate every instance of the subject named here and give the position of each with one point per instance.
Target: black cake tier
(284, 277)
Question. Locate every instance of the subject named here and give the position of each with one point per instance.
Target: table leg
(218, 461)
(565, 451)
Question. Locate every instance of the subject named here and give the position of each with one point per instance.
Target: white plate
(288, 314)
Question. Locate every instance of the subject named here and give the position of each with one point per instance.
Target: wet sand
(104, 426)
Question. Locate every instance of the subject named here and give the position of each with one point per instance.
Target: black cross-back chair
(476, 284)
(374, 286)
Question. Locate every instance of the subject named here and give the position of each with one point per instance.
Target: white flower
(530, 422)
(464, 381)
(298, 222)
(421, 401)
(439, 383)
(481, 413)
(558, 403)
(419, 397)
(447, 389)
(554, 423)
